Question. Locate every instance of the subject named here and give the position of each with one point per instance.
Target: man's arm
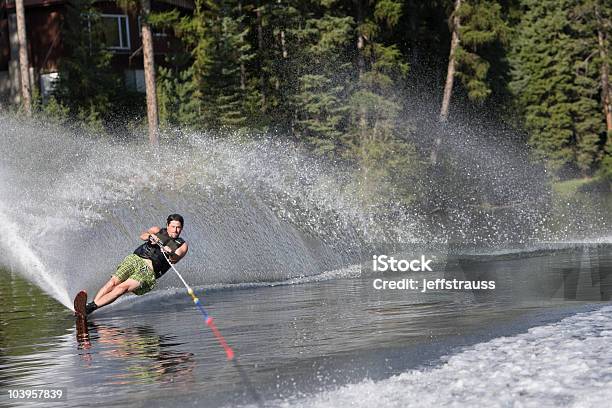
(179, 253)
(151, 231)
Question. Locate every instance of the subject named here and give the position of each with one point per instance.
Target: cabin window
(116, 31)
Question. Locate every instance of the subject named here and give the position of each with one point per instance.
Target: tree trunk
(362, 122)
(361, 67)
(260, 46)
(149, 72)
(24, 65)
(413, 25)
(450, 77)
(360, 38)
(450, 74)
(283, 44)
(605, 84)
(282, 39)
(242, 66)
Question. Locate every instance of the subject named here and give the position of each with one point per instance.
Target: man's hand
(171, 255)
(153, 239)
(146, 236)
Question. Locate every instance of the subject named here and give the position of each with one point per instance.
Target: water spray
(207, 318)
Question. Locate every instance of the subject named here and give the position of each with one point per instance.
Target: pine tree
(592, 20)
(321, 101)
(482, 27)
(374, 103)
(279, 54)
(476, 25)
(217, 39)
(175, 92)
(555, 89)
(223, 98)
(373, 138)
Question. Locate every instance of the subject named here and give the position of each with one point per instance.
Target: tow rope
(207, 318)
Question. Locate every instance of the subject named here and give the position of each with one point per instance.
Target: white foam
(31, 265)
(568, 363)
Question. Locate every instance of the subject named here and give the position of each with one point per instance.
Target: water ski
(81, 315)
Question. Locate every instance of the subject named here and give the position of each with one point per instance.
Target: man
(138, 272)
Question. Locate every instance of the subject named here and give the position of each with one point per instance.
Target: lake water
(333, 341)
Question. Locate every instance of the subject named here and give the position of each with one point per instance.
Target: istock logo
(382, 263)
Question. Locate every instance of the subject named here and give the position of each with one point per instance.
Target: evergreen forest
(380, 84)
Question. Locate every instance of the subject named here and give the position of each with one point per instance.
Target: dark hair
(175, 217)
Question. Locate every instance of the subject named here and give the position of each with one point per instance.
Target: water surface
(292, 340)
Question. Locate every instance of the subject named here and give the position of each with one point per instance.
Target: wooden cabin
(43, 30)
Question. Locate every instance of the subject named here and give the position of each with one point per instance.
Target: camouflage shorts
(134, 267)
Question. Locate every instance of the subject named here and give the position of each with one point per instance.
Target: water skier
(138, 272)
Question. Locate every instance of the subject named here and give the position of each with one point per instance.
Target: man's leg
(110, 285)
(125, 279)
(126, 286)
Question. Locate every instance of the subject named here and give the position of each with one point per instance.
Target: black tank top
(154, 253)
